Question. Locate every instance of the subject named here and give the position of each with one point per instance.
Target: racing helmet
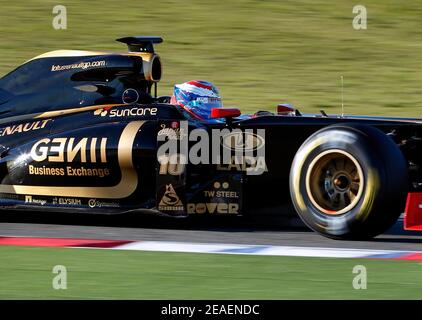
(197, 97)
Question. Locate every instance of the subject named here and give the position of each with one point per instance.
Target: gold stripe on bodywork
(126, 186)
(69, 53)
(84, 53)
(52, 114)
(56, 113)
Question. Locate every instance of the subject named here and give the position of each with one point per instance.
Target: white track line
(167, 246)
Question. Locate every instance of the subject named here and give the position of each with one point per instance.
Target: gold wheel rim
(334, 182)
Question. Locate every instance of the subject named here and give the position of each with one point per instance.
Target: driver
(197, 97)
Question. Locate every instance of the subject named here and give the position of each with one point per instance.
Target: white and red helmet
(197, 97)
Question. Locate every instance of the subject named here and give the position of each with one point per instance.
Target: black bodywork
(79, 132)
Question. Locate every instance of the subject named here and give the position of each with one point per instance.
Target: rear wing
(141, 43)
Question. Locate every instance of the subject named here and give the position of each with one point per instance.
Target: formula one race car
(86, 131)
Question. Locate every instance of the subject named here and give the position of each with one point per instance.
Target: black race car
(86, 131)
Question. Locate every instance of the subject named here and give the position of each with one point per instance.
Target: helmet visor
(203, 105)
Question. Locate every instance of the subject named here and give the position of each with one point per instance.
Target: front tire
(349, 182)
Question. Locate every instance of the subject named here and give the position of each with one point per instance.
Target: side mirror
(225, 113)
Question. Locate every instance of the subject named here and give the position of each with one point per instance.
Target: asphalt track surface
(229, 230)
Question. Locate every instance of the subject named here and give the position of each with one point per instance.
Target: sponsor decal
(242, 141)
(10, 196)
(67, 149)
(173, 133)
(87, 172)
(249, 164)
(213, 207)
(31, 199)
(94, 203)
(170, 200)
(67, 201)
(125, 112)
(24, 127)
(243, 150)
(45, 171)
(218, 193)
(81, 65)
(102, 112)
(220, 199)
(68, 171)
(127, 185)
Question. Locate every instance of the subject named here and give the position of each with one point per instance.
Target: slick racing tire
(349, 182)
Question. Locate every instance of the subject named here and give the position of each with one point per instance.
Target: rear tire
(349, 182)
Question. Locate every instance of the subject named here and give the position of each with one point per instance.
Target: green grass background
(258, 52)
(26, 273)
